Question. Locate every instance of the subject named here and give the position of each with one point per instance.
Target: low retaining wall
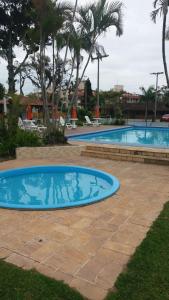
(49, 152)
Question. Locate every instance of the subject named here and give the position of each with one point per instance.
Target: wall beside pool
(49, 152)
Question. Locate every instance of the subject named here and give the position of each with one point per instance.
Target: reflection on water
(51, 188)
(150, 136)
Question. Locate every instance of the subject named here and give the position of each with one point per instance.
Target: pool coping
(96, 132)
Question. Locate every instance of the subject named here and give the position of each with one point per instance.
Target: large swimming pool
(133, 136)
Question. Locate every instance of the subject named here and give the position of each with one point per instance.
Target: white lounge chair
(91, 123)
(41, 128)
(31, 126)
(62, 123)
(20, 124)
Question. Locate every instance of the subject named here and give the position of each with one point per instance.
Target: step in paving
(151, 156)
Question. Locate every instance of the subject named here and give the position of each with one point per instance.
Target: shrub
(11, 136)
(22, 138)
(54, 137)
(119, 122)
(82, 113)
(79, 123)
(7, 148)
(27, 139)
(2, 91)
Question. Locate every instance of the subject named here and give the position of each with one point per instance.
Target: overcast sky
(132, 57)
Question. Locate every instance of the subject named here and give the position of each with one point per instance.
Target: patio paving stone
(119, 247)
(87, 247)
(47, 271)
(4, 253)
(19, 260)
(89, 290)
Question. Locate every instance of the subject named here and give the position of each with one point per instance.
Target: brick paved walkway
(86, 247)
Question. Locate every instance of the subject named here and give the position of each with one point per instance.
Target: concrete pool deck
(87, 247)
(90, 129)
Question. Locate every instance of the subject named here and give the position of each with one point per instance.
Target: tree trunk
(88, 60)
(11, 79)
(42, 78)
(164, 50)
(71, 73)
(75, 94)
(42, 72)
(53, 81)
(74, 100)
(78, 83)
(85, 97)
(21, 83)
(81, 78)
(146, 110)
(67, 47)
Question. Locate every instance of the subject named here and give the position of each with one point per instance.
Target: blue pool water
(134, 136)
(51, 187)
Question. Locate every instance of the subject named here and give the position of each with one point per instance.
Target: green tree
(70, 29)
(94, 20)
(2, 91)
(164, 95)
(161, 8)
(148, 95)
(14, 23)
(78, 42)
(50, 19)
(43, 10)
(32, 71)
(63, 10)
(88, 93)
(112, 103)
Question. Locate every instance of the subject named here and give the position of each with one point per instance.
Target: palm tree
(50, 19)
(96, 19)
(148, 95)
(61, 13)
(79, 41)
(70, 28)
(161, 8)
(42, 7)
(93, 20)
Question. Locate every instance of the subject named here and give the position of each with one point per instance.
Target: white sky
(132, 57)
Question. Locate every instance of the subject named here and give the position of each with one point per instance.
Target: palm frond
(154, 14)
(98, 51)
(98, 17)
(3, 54)
(155, 3)
(160, 8)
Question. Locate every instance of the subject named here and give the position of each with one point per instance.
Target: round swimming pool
(52, 187)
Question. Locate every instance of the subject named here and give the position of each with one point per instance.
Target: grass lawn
(147, 275)
(18, 284)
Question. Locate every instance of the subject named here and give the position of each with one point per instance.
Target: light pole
(156, 95)
(98, 57)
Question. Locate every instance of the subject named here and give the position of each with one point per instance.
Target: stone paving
(86, 247)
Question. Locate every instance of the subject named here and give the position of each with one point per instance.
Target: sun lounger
(91, 123)
(62, 123)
